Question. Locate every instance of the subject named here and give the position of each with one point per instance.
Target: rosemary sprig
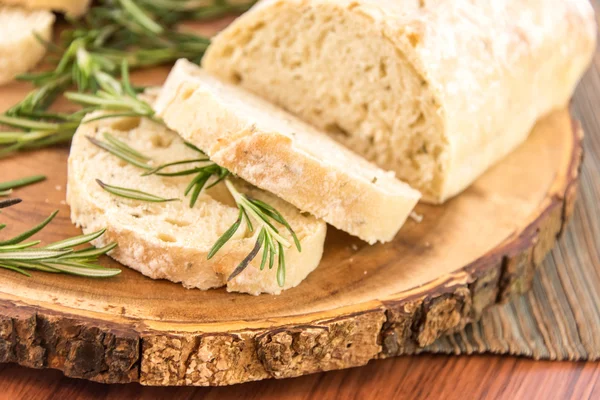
(133, 193)
(113, 95)
(40, 129)
(113, 33)
(203, 174)
(59, 257)
(269, 238)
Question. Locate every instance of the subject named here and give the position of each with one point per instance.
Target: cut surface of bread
(435, 90)
(74, 8)
(171, 240)
(19, 49)
(277, 152)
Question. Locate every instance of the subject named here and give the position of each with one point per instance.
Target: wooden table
(417, 377)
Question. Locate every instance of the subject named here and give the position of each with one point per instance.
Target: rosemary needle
(133, 193)
(6, 186)
(7, 203)
(121, 152)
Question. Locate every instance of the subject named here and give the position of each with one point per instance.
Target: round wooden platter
(362, 303)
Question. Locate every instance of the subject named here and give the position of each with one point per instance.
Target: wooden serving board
(362, 303)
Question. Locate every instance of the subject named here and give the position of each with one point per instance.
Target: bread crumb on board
(418, 218)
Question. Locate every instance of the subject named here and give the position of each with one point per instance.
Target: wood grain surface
(404, 377)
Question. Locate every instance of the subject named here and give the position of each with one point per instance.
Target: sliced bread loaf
(74, 8)
(19, 49)
(171, 240)
(435, 90)
(275, 151)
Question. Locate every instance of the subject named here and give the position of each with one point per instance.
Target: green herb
(132, 193)
(269, 238)
(122, 151)
(113, 95)
(7, 203)
(10, 185)
(27, 234)
(58, 257)
(117, 98)
(203, 174)
(114, 33)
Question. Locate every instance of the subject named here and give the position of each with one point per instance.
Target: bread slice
(171, 240)
(19, 49)
(277, 152)
(437, 91)
(73, 8)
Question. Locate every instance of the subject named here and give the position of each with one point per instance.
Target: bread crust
(20, 50)
(372, 207)
(178, 259)
(491, 68)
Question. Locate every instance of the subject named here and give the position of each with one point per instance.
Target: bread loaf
(435, 90)
(277, 152)
(19, 49)
(171, 240)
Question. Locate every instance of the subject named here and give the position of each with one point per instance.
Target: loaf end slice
(436, 91)
(171, 240)
(277, 152)
(19, 49)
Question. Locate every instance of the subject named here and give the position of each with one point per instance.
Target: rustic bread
(171, 240)
(435, 90)
(277, 152)
(74, 8)
(19, 49)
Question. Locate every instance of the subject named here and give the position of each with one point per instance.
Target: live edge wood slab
(363, 302)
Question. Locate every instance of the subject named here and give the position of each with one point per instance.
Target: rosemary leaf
(265, 255)
(199, 185)
(4, 193)
(281, 267)
(271, 256)
(33, 265)
(29, 233)
(86, 272)
(246, 261)
(276, 215)
(124, 147)
(75, 241)
(32, 254)
(225, 237)
(124, 155)
(193, 147)
(141, 17)
(9, 202)
(91, 252)
(133, 194)
(16, 269)
(172, 164)
(19, 246)
(21, 182)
